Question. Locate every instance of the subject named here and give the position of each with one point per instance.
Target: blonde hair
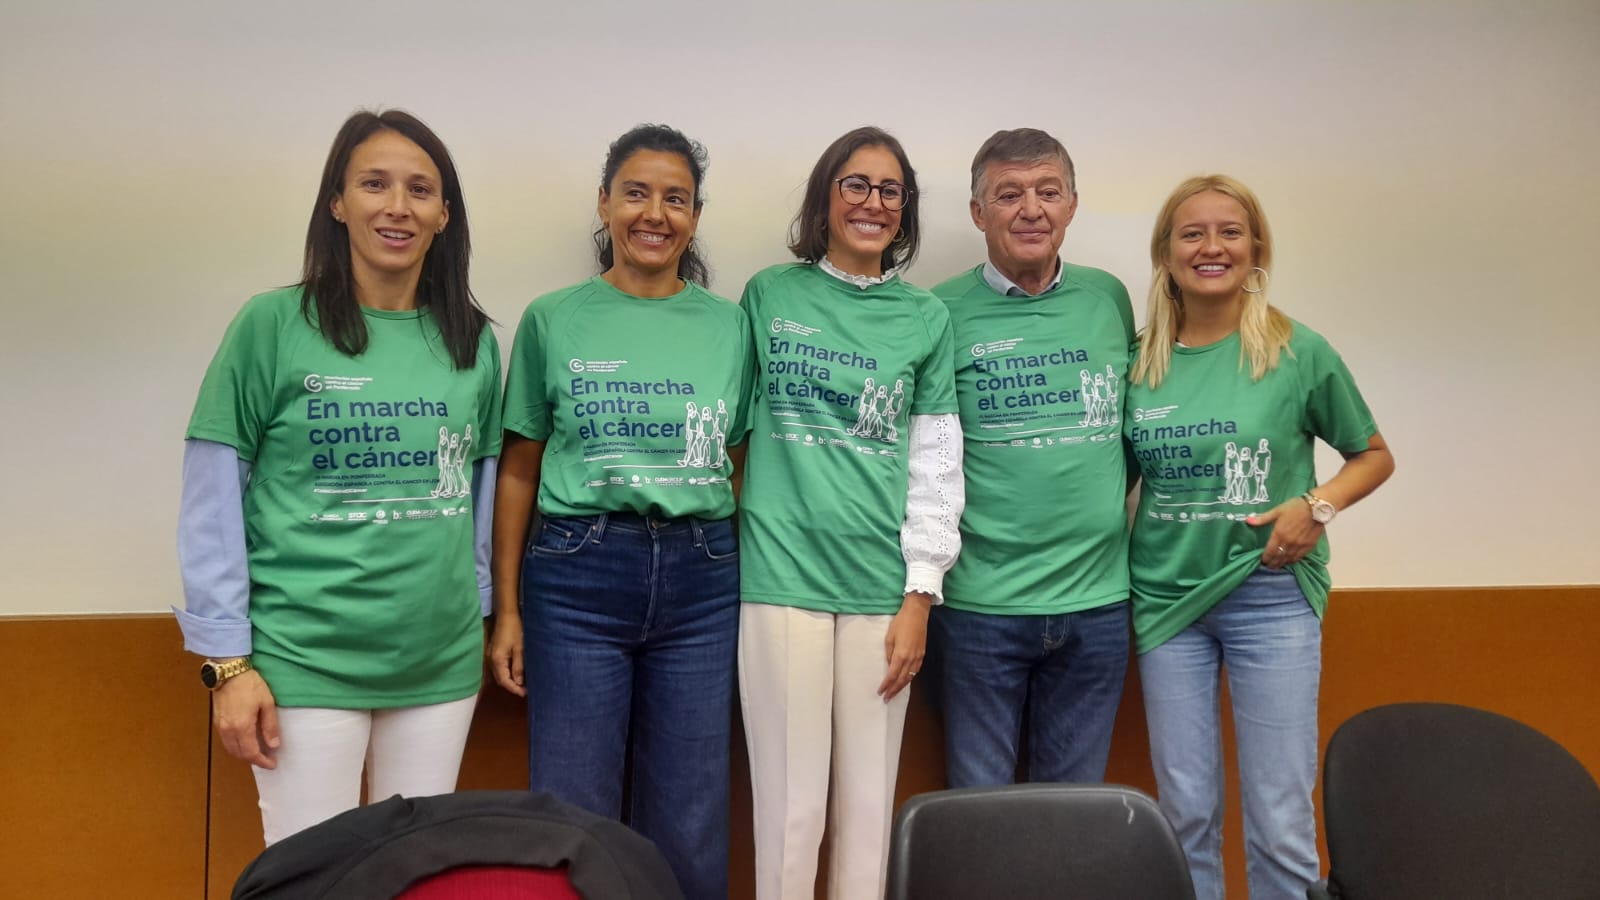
(1264, 330)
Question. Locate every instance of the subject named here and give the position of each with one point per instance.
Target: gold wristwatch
(215, 672)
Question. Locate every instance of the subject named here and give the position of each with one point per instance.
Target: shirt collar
(1006, 287)
(861, 281)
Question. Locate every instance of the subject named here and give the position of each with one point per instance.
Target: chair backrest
(1435, 800)
(1027, 841)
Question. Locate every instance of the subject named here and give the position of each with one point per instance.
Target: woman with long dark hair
(333, 493)
(617, 614)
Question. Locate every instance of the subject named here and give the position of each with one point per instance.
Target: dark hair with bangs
(661, 138)
(328, 280)
(808, 234)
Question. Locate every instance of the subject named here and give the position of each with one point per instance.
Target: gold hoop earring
(1265, 278)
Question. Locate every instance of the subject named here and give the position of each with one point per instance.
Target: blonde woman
(1221, 583)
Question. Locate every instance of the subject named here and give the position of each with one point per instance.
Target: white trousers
(414, 751)
(808, 685)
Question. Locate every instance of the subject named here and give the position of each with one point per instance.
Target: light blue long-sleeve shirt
(214, 561)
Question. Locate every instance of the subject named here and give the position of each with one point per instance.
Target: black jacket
(375, 852)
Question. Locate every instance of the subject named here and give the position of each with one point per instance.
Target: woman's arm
(1294, 532)
(930, 540)
(214, 564)
(516, 490)
(483, 483)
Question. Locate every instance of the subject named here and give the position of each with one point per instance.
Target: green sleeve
(1119, 295)
(235, 402)
(739, 430)
(1335, 410)
(750, 303)
(936, 375)
(488, 394)
(527, 403)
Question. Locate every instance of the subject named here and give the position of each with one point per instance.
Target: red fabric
(494, 883)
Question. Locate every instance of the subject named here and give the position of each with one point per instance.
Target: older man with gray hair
(1034, 627)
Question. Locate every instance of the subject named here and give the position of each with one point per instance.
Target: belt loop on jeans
(696, 527)
(598, 529)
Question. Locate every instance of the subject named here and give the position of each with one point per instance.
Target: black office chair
(1425, 800)
(1036, 842)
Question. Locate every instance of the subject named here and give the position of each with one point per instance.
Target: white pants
(414, 751)
(808, 683)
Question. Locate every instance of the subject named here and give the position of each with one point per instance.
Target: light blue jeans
(1266, 637)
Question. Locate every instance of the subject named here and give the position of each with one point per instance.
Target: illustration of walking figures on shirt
(453, 481)
(1101, 404)
(1246, 473)
(878, 411)
(705, 436)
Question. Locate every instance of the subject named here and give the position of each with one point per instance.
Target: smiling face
(1211, 250)
(858, 235)
(649, 209)
(1023, 210)
(392, 205)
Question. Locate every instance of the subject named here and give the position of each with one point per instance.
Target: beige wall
(1428, 168)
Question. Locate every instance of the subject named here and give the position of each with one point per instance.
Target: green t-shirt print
(1040, 381)
(1214, 448)
(358, 514)
(839, 373)
(636, 399)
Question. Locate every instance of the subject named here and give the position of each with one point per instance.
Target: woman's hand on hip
(247, 719)
(1294, 532)
(504, 650)
(905, 644)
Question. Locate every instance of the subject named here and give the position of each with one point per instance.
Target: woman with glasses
(849, 517)
(1229, 557)
(617, 617)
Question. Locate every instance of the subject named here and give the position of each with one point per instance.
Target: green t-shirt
(840, 370)
(1040, 383)
(1214, 448)
(636, 399)
(358, 514)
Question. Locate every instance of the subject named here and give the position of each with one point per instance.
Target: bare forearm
(1360, 475)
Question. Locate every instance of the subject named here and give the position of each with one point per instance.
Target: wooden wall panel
(102, 759)
(104, 740)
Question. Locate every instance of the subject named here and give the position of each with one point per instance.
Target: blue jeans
(630, 638)
(1067, 670)
(1270, 642)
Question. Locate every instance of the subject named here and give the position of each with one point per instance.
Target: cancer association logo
(313, 383)
(979, 349)
(776, 326)
(575, 365)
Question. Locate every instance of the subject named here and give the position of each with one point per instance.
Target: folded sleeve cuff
(215, 638)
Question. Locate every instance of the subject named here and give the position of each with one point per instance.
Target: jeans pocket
(717, 540)
(560, 537)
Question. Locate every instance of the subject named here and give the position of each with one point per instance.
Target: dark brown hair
(328, 282)
(692, 264)
(808, 234)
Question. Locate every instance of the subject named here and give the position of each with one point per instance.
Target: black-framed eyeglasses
(855, 189)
